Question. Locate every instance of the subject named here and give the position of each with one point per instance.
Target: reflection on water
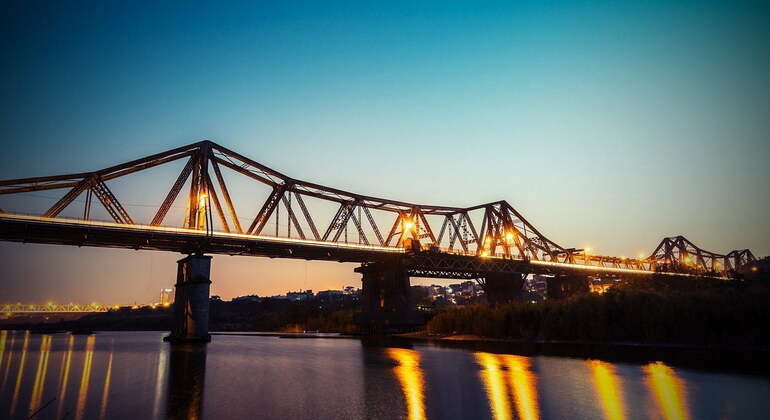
(41, 373)
(64, 374)
(135, 375)
(4, 371)
(85, 378)
(669, 392)
(106, 389)
(160, 379)
(523, 385)
(23, 360)
(608, 388)
(507, 374)
(494, 383)
(411, 379)
(186, 381)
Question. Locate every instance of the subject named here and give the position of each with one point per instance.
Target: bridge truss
(19, 308)
(292, 208)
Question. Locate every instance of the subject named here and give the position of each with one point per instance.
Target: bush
(710, 314)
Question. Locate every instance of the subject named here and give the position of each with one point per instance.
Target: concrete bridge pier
(385, 299)
(191, 303)
(502, 287)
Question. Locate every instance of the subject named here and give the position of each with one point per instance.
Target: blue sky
(606, 125)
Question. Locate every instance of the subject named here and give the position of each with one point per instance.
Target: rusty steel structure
(460, 240)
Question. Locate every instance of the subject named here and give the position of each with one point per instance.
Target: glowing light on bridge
(668, 391)
(609, 389)
(412, 382)
(51, 307)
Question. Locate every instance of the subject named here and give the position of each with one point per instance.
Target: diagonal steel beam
(361, 233)
(267, 210)
(374, 226)
(68, 198)
(427, 227)
(292, 216)
(172, 194)
(110, 202)
(213, 194)
(226, 196)
(308, 217)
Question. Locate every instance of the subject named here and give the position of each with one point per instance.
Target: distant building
(166, 297)
(306, 295)
(437, 292)
(537, 284)
(248, 298)
(600, 285)
(329, 294)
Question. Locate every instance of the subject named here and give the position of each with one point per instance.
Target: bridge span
(393, 240)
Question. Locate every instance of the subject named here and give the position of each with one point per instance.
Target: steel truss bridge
(436, 241)
(24, 308)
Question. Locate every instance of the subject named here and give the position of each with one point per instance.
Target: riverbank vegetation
(657, 310)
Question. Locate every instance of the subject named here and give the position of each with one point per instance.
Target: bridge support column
(502, 287)
(385, 299)
(191, 303)
(560, 287)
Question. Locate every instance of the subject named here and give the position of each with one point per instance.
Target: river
(135, 375)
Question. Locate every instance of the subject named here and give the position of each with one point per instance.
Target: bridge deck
(59, 231)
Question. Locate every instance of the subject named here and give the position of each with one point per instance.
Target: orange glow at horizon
(412, 381)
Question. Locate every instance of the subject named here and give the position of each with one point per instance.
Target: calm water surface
(120, 375)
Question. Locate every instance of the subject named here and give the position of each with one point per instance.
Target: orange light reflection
(523, 386)
(40, 374)
(19, 375)
(492, 376)
(64, 374)
(85, 378)
(412, 382)
(668, 390)
(608, 388)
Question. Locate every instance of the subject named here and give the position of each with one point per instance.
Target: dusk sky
(605, 125)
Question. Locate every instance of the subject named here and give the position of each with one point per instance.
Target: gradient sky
(606, 125)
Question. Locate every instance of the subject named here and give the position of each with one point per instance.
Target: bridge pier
(502, 287)
(385, 298)
(564, 286)
(191, 303)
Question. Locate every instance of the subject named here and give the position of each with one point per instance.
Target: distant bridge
(33, 308)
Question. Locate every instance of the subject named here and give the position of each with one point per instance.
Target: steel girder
(491, 229)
